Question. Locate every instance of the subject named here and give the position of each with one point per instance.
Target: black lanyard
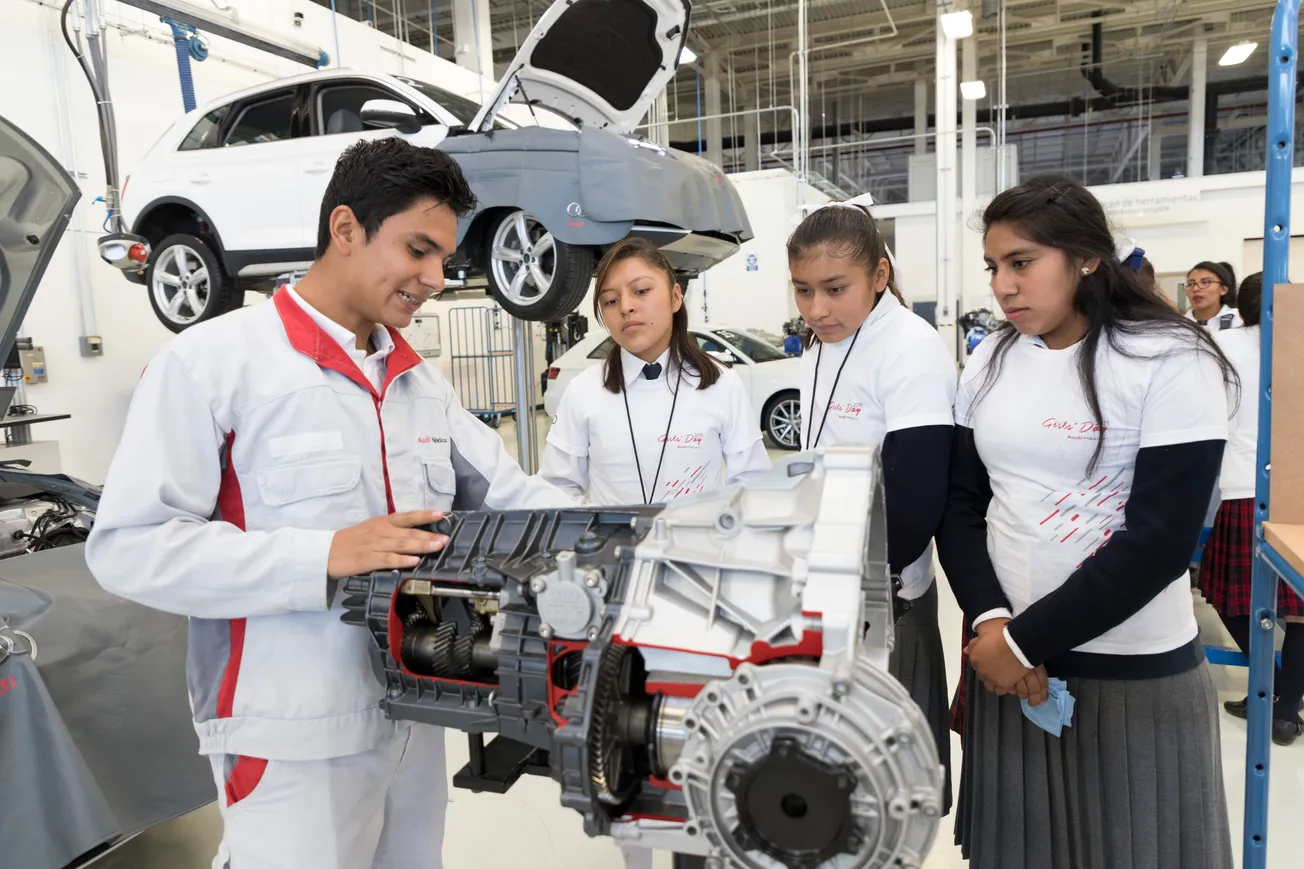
(814, 397)
(665, 440)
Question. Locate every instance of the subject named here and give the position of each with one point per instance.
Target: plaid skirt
(1226, 565)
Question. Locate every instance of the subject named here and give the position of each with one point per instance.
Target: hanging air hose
(187, 43)
(95, 67)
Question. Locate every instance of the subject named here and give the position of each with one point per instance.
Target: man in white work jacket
(252, 440)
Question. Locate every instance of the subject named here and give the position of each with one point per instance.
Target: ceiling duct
(1118, 94)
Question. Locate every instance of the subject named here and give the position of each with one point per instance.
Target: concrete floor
(543, 835)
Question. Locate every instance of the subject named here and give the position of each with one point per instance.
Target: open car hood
(600, 63)
(36, 200)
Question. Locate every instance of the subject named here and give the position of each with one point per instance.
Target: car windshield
(462, 108)
(755, 347)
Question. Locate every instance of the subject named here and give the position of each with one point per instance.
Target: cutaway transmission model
(707, 678)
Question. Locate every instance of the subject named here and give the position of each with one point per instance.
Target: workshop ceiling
(1146, 43)
(866, 56)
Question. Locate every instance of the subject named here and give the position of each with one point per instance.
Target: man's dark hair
(382, 177)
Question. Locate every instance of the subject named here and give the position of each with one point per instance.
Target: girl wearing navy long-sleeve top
(1089, 433)
(876, 373)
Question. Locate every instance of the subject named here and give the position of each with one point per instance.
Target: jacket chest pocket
(323, 493)
(440, 484)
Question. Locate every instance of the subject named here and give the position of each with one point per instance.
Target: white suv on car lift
(229, 197)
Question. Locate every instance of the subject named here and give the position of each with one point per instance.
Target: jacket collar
(313, 341)
(380, 338)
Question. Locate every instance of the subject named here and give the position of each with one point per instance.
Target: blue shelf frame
(1269, 565)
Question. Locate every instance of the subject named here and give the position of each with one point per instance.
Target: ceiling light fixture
(1238, 53)
(958, 25)
(686, 55)
(973, 90)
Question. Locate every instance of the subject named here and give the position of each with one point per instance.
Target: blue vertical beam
(1263, 596)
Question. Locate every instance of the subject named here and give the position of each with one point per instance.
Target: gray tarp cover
(96, 740)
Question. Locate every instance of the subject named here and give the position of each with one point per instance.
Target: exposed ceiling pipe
(806, 52)
(1073, 107)
(1123, 96)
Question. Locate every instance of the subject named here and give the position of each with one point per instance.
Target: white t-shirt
(899, 376)
(1035, 434)
(1227, 318)
(590, 451)
(1241, 456)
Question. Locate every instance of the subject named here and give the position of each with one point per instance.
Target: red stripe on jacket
(231, 506)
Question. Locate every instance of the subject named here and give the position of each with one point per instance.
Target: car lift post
(527, 427)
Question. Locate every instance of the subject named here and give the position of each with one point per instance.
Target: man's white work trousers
(383, 808)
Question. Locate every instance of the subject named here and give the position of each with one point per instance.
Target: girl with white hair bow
(876, 373)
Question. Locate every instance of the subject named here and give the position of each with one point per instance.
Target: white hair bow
(864, 200)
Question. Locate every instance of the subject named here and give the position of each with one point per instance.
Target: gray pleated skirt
(1135, 783)
(918, 663)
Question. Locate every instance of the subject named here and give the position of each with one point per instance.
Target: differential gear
(611, 759)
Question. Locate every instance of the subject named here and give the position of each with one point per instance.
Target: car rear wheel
(782, 420)
(186, 283)
(531, 274)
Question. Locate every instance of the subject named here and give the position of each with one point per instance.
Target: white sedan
(772, 378)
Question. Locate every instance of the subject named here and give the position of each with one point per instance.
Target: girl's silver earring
(1086, 271)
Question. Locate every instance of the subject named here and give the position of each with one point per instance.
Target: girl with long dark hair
(1225, 567)
(876, 373)
(660, 418)
(1089, 433)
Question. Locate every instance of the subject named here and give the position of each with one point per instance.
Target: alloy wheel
(785, 423)
(181, 284)
(523, 259)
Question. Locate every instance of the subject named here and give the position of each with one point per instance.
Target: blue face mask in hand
(1056, 713)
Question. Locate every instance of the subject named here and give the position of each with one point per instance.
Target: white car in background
(229, 199)
(771, 377)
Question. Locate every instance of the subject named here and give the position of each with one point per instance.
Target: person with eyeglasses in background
(1211, 291)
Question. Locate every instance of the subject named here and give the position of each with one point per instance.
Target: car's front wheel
(186, 282)
(782, 420)
(533, 275)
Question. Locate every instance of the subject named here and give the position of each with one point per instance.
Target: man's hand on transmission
(390, 542)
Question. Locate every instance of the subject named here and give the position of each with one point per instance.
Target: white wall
(732, 295)
(45, 94)
(1178, 222)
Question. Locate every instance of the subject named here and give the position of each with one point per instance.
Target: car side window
(601, 351)
(266, 121)
(709, 345)
(339, 108)
(204, 132)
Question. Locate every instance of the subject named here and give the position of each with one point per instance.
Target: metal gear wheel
(612, 769)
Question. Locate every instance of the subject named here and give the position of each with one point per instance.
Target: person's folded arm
(1164, 514)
